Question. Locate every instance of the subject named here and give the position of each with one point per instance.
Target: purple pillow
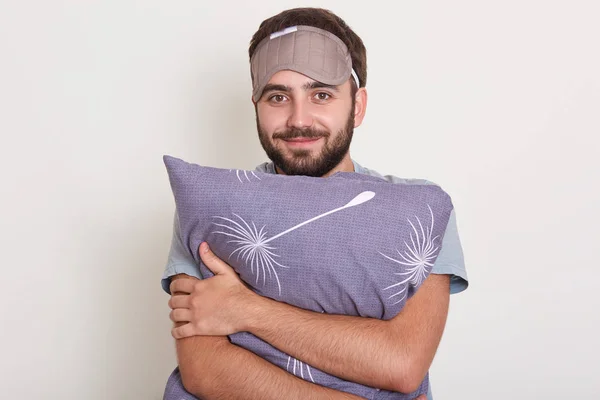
(348, 244)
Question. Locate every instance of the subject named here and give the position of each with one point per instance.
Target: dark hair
(319, 18)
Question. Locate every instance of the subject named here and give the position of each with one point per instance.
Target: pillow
(348, 244)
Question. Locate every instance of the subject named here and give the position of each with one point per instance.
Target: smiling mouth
(303, 139)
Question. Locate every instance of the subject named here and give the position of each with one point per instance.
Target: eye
(322, 96)
(277, 98)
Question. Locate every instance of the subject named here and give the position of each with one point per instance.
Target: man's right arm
(213, 368)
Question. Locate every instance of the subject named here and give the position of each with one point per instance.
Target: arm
(213, 368)
(393, 355)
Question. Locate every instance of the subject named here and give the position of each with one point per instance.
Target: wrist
(254, 308)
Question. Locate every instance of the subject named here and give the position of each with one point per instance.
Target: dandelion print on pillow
(346, 244)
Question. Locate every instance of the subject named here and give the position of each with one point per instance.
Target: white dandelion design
(244, 174)
(253, 245)
(417, 257)
(298, 368)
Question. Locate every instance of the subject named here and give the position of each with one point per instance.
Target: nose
(300, 116)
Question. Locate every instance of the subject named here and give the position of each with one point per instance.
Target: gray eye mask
(311, 51)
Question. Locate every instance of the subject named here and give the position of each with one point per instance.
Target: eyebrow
(307, 86)
(273, 88)
(319, 85)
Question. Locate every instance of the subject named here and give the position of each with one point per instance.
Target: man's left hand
(209, 307)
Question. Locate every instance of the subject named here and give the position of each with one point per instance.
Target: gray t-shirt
(450, 259)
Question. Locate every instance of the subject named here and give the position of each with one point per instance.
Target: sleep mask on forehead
(311, 51)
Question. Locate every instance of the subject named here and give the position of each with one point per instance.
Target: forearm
(212, 368)
(356, 349)
(393, 355)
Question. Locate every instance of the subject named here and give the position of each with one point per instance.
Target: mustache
(294, 133)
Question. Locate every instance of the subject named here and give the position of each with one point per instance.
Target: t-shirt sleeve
(180, 261)
(450, 260)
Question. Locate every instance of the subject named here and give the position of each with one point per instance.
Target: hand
(211, 307)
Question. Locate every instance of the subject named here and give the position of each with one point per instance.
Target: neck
(346, 165)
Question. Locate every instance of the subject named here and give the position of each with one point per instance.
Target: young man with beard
(305, 118)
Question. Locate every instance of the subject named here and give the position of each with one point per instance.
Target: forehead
(290, 78)
(295, 80)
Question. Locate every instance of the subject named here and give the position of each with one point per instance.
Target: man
(307, 104)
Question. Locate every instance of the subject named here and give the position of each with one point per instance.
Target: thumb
(212, 262)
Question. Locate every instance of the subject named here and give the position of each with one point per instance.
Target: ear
(360, 106)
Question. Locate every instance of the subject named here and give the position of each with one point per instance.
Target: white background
(498, 102)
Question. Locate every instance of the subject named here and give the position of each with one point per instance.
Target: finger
(180, 301)
(182, 331)
(212, 262)
(180, 315)
(182, 285)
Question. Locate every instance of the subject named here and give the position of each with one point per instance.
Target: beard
(301, 161)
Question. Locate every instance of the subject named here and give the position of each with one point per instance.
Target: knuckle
(209, 254)
(195, 302)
